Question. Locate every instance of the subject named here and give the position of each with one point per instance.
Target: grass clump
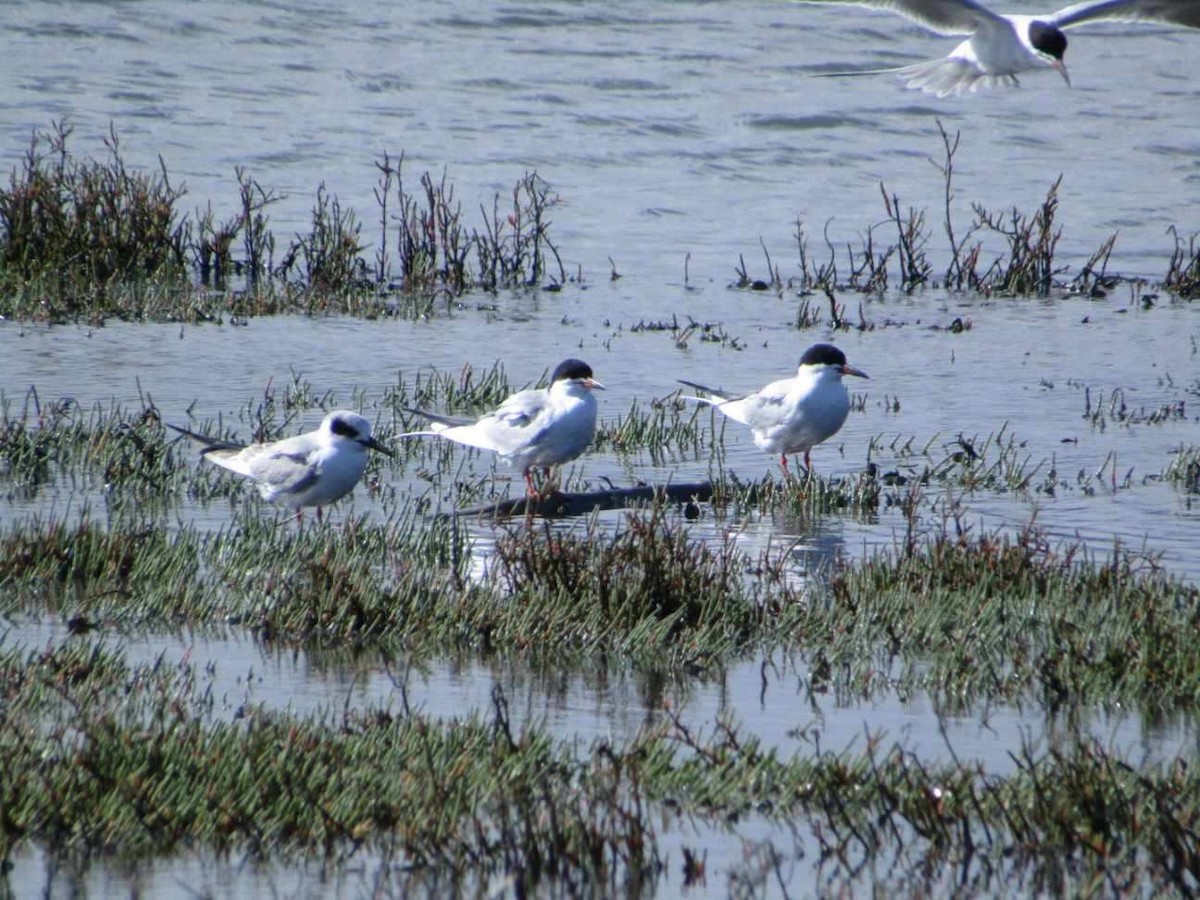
(998, 462)
(797, 497)
(649, 590)
(93, 238)
(137, 762)
(71, 230)
(317, 584)
(1075, 818)
(468, 391)
(1184, 470)
(666, 427)
(116, 450)
(1004, 617)
(1025, 266)
(142, 761)
(1183, 273)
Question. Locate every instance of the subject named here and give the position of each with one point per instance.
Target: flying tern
(1000, 47)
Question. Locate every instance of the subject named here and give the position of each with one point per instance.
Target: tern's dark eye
(346, 430)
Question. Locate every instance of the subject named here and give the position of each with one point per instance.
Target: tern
(1001, 47)
(312, 469)
(537, 428)
(792, 415)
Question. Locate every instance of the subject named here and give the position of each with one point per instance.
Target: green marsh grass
(681, 334)
(75, 228)
(1025, 265)
(89, 239)
(667, 427)
(642, 590)
(1073, 818)
(998, 462)
(801, 496)
(115, 449)
(648, 589)
(1183, 273)
(137, 762)
(461, 393)
(1114, 409)
(1184, 470)
(1014, 618)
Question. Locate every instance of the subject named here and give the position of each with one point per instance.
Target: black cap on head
(823, 355)
(1047, 39)
(571, 368)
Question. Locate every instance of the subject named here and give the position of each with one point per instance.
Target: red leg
(783, 462)
(529, 488)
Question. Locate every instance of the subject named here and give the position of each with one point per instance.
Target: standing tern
(311, 469)
(537, 428)
(792, 415)
(1000, 47)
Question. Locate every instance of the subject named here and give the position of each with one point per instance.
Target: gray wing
(1169, 12)
(942, 16)
(517, 422)
(276, 471)
(767, 409)
(506, 430)
(520, 410)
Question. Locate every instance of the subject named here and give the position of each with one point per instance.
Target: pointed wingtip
(208, 444)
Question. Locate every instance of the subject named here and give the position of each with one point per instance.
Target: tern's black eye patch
(339, 426)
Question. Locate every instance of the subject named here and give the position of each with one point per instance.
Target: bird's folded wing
(519, 410)
(766, 409)
(286, 471)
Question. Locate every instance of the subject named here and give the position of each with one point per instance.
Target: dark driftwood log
(559, 505)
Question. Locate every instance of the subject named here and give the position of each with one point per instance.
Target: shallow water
(669, 129)
(1005, 372)
(767, 697)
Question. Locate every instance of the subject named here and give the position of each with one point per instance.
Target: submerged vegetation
(141, 760)
(1022, 265)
